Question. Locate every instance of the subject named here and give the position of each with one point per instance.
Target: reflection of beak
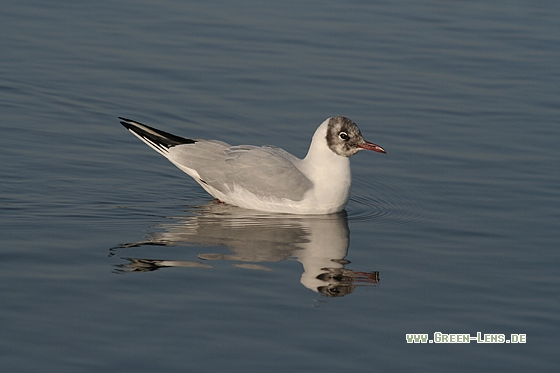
(371, 146)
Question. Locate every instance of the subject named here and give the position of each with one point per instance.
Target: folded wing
(264, 171)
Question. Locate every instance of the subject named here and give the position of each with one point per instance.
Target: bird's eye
(344, 136)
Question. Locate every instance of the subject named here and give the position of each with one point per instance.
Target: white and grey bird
(268, 178)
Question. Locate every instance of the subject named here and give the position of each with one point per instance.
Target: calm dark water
(112, 260)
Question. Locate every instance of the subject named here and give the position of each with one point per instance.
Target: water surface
(113, 260)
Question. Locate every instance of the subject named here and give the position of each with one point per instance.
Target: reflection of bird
(268, 178)
(319, 243)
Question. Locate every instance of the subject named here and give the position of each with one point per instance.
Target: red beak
(371, 146)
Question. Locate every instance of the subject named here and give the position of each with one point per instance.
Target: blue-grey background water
(460, 219)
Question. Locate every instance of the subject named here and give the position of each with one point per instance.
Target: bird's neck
(329, 172)
(327, 168)
(321, 162)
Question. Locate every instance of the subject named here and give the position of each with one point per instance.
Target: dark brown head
(345, 139)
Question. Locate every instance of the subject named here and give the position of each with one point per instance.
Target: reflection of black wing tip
(139, 244)
(138, 265)
(154, 136)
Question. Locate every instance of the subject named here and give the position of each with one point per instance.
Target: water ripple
(392, 208)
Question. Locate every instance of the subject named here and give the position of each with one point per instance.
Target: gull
(268, 178)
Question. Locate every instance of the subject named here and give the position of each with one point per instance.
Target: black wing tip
(129, 123)
(158, 136)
